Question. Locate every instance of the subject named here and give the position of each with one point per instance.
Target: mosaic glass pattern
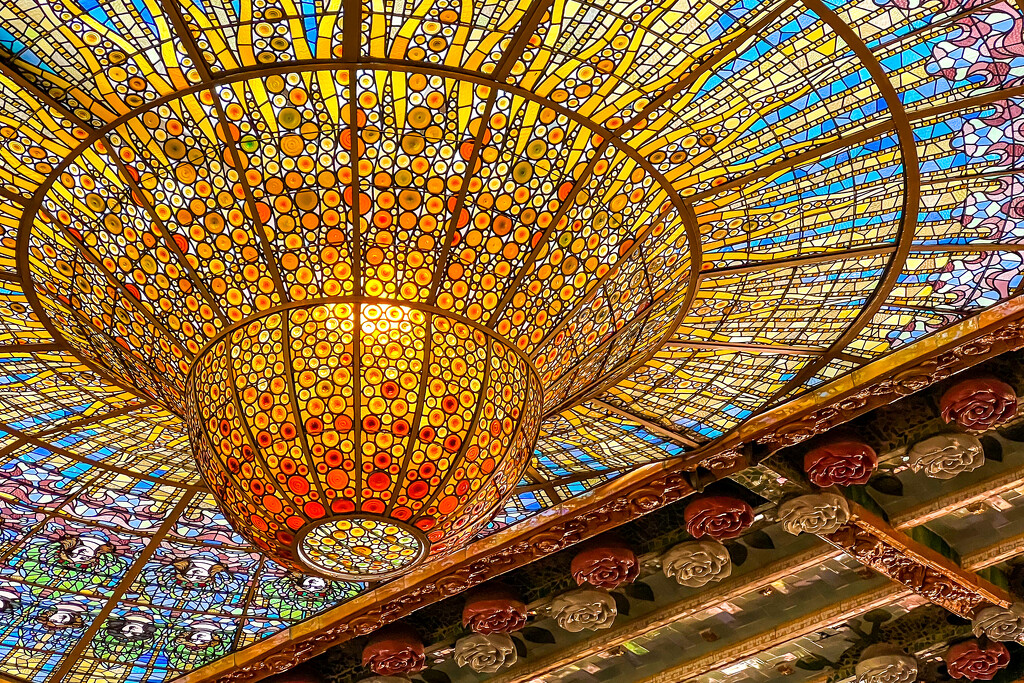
(682, 213)
(322, 411)
(344, 184)
(361, 547)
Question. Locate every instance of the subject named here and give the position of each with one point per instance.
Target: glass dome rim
(46, 305)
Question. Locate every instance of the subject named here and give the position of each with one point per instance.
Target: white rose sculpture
(486, 653)
(1005, 624)
(946, 455)
(583, 610)
(887, 669)
(697, 563)
(816, 513)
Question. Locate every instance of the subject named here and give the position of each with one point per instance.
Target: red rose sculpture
(840, 463)
(494, 609)
(394, 650)
(719, 517)
(969, 660)
(608, 565)
(979, 404)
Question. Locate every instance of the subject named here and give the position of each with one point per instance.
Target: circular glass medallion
(361, 548)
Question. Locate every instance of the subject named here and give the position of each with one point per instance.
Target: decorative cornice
(911, 369)
(438, 580)
(897, 384)
(871, 541)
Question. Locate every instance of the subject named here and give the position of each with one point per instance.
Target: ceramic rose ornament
(583, 610)
(978, 404)
(815, 513)
(608, 564)
(944, 456)
(975, 662)
(394, 650)
(494, 609)
(1005, 624)
(884, 663)
(486, 653)
(720, 517)
(840, 463)
(697, 563)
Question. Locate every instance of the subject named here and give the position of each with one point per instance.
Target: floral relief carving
(394, 650)
(607, 565)
(884, 663)
(942, 589)
(722, 462)
(979, 404)
(842, 462)
(891, 669)
(1005, 624)
(697, 563)
(486, 653)
(494, 609)
(583, 610)
(815, 513)
(944, 456)
(875, 544)
(719, 517)
(976, 661)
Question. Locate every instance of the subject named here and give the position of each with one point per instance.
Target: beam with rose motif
(876, 544)
(828, 617)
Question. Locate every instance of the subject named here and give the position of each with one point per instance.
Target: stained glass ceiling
(681, 213)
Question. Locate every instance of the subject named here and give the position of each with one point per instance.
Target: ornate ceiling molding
(893, 553)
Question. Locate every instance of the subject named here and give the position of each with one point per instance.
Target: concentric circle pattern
(678, 223)
(404, 186)
(361, 548)
(321, 410)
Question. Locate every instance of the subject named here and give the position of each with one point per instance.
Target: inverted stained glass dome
(298, 296)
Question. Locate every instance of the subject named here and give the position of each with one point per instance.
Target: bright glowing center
(350, 438)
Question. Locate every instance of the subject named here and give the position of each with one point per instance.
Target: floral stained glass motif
(679, 214)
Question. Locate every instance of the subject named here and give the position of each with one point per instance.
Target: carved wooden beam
(826, 618)
(875, 543)
(728, 590)
(754, 478)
